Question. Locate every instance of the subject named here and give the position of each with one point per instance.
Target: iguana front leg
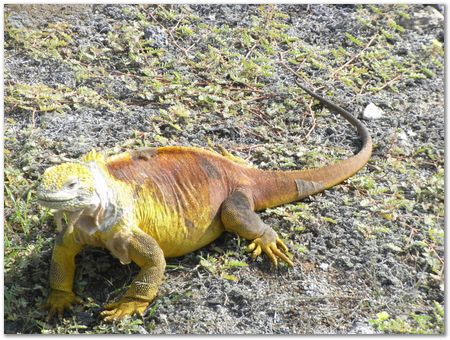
(146, 253)
(62, 271)
(238, 216)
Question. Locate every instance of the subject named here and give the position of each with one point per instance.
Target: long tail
(280, 187)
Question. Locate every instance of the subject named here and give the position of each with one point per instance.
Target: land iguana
(156, 203)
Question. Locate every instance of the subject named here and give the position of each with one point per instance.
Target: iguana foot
(124, 307)
(238, 216)
(58, 301)
(269, 243)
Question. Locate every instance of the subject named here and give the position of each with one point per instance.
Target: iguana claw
(123, 308)
(271, 249)
(58, 301)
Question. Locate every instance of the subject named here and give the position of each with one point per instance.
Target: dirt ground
(369, 253)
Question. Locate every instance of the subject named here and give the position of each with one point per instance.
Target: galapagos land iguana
(147, 205)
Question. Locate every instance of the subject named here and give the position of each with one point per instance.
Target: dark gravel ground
(371, 245)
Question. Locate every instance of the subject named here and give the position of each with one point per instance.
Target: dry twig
(356, 56)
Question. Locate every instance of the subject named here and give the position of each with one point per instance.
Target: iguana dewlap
(150, 204)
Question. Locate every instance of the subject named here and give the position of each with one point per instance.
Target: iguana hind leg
(238, 216)
(146, 253)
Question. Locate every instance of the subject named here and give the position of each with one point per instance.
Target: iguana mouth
(54, 200)
(54, 204)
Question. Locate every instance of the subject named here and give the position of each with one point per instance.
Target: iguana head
(67, 187)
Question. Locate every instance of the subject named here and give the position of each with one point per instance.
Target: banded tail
(279, 187)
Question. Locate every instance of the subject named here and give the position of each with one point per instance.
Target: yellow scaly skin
(136, 222)
(123, 238)
(147, 205)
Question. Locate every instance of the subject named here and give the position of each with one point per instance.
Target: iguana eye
(72, 185)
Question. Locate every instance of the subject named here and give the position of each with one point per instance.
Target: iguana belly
(178, 240)
(179, 225)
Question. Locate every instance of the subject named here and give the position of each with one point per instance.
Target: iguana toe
(281, 244)
(123, 308)
(271, 249)
(58, 301)
(255, 249)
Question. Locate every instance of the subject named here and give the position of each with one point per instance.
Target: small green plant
(413, 324)
(396, 26)
(52, 41)
(22, 216)
(353, 39)
(222, 268)
(184, 31)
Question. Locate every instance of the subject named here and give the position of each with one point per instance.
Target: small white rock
(372, 112)
(324, 266)
(402, 136)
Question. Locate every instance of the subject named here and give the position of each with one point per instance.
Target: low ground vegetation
(369, 253)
